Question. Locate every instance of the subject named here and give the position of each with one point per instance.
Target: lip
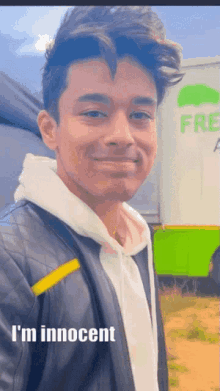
(115, 166)
(118, 159)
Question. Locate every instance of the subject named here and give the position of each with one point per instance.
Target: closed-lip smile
(116, 159)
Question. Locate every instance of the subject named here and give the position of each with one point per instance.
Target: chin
(122, 195)
(119, 190)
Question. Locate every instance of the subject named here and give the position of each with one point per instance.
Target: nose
(119, 132)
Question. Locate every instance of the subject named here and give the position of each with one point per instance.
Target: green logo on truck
(197, 94)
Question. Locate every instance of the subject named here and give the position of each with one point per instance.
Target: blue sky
(196, 28)
(26, 23)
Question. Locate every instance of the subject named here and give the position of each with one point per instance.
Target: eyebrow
(144, 100)
(100, 98)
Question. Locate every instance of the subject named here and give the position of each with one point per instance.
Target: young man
(79, 295)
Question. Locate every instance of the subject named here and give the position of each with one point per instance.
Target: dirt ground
(197, 362)
(202, 360)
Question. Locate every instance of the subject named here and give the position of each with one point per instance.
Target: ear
(48, 128)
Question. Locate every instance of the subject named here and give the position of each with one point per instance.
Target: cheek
(80, 132)
(148, 143)
(155, 147)
(152, 151)
(149, 150)
(152, 141)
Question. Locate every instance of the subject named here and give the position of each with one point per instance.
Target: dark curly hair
(110, 33)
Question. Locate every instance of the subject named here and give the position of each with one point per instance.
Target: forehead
(95, 76)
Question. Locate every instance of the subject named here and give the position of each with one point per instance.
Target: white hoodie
(40, 184)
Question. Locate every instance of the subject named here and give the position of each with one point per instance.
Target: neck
(107, 210)
(109, 213)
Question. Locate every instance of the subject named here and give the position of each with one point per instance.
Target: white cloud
(43, 42)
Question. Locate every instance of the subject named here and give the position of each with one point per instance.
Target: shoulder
(15, 221)
(25, 221)
(14, 213)
(21, 225)
(30, 243)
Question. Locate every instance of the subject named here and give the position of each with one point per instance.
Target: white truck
(181, 197)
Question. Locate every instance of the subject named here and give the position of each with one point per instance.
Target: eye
(139, 115)
(94, 114)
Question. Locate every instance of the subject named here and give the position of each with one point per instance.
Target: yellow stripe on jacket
(55, 276)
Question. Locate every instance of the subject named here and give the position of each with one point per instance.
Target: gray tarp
(19, 134)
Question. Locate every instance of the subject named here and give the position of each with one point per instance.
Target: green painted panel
(185, 252)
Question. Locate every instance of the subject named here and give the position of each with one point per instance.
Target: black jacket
(32, 243)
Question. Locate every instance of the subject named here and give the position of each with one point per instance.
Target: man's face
(106, 139)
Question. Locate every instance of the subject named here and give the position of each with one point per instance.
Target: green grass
(195, 332)
(173, 382)
(172, 358)
(177, 367)
(173, 301)
(173, 367)
(204, 302)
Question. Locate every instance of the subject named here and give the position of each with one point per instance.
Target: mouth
(117, 167)
(117, 160)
